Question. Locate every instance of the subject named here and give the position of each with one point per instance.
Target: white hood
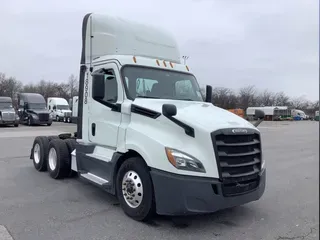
(202, 114)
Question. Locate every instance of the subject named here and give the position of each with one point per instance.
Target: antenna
(185, 58)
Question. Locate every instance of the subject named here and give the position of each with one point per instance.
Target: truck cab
(145, 133)
(58, 108)
(8, 114)
(32, 109)
(72, 117)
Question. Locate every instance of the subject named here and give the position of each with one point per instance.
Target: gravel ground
(36, 207)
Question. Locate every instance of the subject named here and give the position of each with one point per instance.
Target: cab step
(94, 178)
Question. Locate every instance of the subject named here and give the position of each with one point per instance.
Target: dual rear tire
(53, 154)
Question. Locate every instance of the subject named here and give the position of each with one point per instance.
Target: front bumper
(37, 121)
(13, 122)
(186, 195)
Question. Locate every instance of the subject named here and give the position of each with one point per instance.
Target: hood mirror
(259, 114)
(169, 110)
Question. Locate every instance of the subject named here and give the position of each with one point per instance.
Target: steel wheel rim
(52, 159)
(36, 153)
(132, 189)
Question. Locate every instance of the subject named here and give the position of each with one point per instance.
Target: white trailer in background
(58, 107)
(161, 149)
(271, 112)
(72, 117)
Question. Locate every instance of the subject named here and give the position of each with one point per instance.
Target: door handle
(93, 129)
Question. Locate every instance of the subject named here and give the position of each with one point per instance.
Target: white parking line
(4, 234)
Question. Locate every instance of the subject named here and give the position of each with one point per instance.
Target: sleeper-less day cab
(144, 132)
(58, 107)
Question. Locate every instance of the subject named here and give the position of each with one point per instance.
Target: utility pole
(185, 58)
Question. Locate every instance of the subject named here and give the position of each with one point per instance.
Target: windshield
(158, 83)
(62, 107)
(5, 105)
(37, 106)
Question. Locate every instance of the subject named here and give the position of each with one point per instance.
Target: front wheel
(29, 121)
(135, 190)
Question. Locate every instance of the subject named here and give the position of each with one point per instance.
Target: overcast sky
(271, 44)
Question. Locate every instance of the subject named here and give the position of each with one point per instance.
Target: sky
(271, 44)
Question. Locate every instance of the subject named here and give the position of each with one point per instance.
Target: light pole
(185, 58)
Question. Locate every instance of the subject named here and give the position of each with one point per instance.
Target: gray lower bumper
(184, 195)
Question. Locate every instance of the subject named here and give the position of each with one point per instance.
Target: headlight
(183, 161)
(34, 116)
(17, 117)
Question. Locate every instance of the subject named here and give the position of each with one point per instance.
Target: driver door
(104, 121)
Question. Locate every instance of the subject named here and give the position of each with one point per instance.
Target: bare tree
(73, 85)
(9, 86)
(247, 97)
(266, 98)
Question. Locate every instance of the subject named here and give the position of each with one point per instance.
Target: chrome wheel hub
(132, 189)
(52, 159)
(36, 153)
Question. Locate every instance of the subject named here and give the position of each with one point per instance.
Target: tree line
(10, 86)
(222, 97)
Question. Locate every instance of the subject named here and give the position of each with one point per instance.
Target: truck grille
(43, 117)
(8, 116)
(239, 160)
(67, 114)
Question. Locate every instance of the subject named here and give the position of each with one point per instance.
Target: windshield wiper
(140, 96)
(185, 99)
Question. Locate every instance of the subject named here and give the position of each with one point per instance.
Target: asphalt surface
(35, 207)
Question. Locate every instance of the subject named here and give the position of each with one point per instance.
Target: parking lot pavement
(36, 207)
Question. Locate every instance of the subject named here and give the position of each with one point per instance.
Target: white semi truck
(58, 107)
(72, 117)
(144, 132)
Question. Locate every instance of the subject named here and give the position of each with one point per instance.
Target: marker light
(164, 63)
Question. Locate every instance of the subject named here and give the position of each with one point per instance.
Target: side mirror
(54, 108)
(169, 110)
(98, 86)
(259, 114)
(208, 94)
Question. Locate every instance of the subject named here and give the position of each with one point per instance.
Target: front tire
(16, 125)
(135, 190)
(29, 121)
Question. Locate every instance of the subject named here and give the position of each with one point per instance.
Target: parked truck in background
(32, 109)
(58, 107)
(8, 115)
(72, 117)
(159, 149)
(299, 114)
